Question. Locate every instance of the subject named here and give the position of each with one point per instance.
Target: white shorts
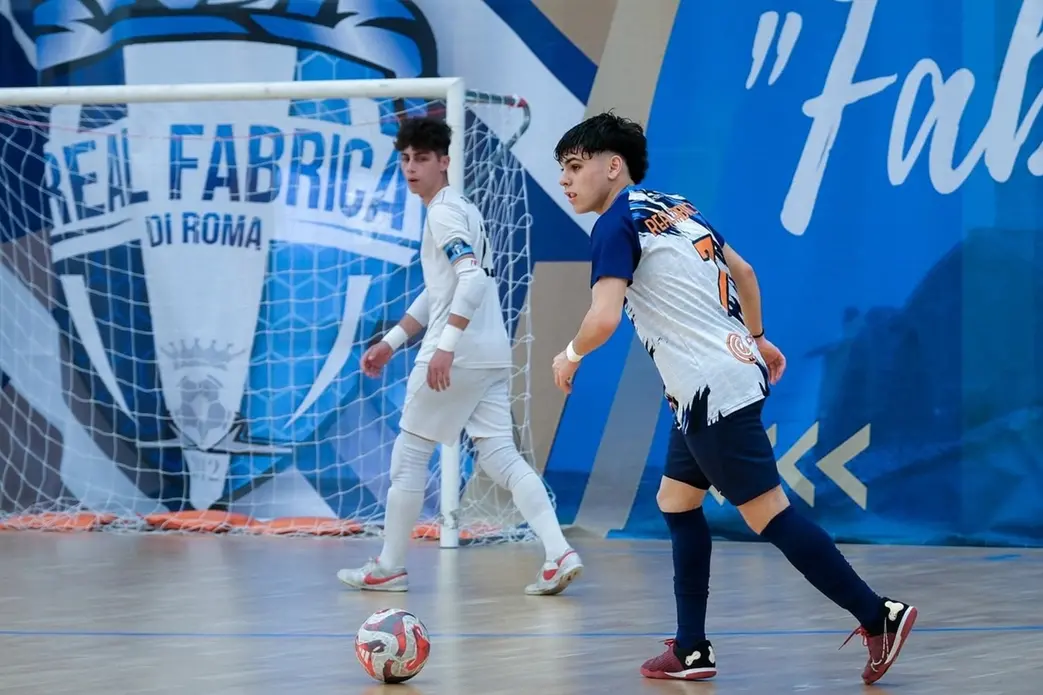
(477, 400)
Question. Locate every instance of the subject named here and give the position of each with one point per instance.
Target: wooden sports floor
(208, 615)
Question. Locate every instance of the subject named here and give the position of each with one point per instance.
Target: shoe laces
(864, 634)
(861, 632)
(665, 657)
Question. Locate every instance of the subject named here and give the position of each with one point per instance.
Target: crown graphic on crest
(195, 355)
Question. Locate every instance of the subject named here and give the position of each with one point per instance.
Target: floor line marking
(489, 635)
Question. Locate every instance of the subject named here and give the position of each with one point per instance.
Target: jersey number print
(707, 249)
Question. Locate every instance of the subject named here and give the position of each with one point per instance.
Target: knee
(499, 458)
(675, 497)
(409, 458)
(491, 446)
(758, 512)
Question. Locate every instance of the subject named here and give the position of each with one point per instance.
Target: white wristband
(396, 337)
(571, 354)
(449, 338)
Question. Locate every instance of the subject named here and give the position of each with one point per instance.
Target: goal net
(189, 277)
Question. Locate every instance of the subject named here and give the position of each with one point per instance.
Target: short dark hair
(424, 134)
(608, 132)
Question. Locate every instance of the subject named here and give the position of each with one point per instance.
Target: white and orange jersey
(682, 302)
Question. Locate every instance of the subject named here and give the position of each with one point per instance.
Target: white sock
(500, 459)
(530, 496)
(405, 499)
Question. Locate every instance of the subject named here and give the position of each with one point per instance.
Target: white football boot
(555, 576)
(373, 577)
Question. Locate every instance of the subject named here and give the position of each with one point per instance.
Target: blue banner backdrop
(879, 165)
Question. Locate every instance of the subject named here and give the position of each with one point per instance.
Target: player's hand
(774, 358)
(564, 370)
(438, 370)
(375, 358)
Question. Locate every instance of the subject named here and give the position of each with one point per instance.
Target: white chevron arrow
(834, 465)
(788, 463)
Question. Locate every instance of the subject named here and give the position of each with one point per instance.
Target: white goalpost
(189, 274)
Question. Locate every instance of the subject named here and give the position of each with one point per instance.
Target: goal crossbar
(420, 87)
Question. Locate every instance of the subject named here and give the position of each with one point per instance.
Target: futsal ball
(392, 645)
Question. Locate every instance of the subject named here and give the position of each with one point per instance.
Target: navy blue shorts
(733, 454)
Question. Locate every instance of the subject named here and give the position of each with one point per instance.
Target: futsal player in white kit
(461, 379)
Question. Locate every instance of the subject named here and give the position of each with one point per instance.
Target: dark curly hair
(608, 132)
(424, 134)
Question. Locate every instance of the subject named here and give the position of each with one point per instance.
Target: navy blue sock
(691, 540)
(810, 549)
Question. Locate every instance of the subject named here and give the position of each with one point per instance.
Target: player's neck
(613, 193)
(431, 196)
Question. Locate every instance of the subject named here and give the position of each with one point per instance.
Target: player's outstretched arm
(599, 323)
(450, 231)
(614, 253)
(749, 291)
(377, 356)
(603, 316)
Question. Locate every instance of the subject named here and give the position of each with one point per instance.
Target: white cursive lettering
(826, 111)
(999, 143)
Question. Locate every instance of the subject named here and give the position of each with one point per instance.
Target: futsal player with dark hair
(695, 303)
(461, 377)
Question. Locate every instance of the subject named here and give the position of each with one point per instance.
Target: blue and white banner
(880, 164)
(212, 273)
(220, 266)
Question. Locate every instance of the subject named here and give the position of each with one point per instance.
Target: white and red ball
(392, 645)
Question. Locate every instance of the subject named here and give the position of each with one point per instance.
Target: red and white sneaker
(884, 648)
(555, 576)
(697, 664)
(373, 577)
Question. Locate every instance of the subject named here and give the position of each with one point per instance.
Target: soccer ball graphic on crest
(392, 645)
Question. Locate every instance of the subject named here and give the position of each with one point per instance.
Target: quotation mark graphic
(787, 39)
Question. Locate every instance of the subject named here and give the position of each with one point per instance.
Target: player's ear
(615, 167)
(443, 163)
